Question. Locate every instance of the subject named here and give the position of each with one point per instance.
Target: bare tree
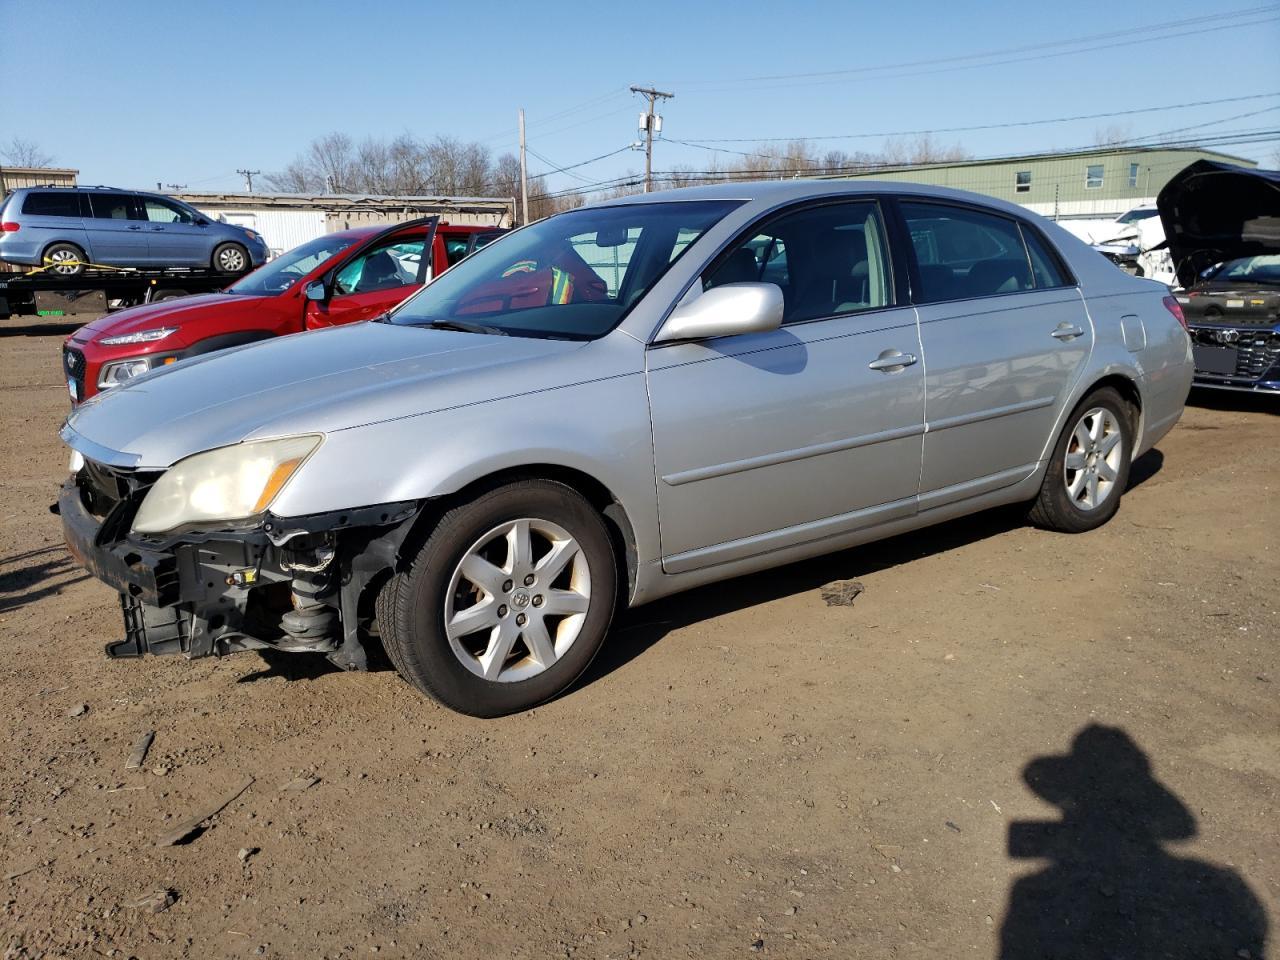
(921, 149)
(1113, 135)
(25, 153)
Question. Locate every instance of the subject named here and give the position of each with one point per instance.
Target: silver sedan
(612, 405)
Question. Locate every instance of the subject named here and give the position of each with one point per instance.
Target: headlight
(230, 483)
(142, 336)
(114, 374)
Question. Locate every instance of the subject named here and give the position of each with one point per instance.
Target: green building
(1088, 184)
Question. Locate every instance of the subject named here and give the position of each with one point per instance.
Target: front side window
(290, 267)
(962, 253)
(64, 203)
(571, 276)
(1093, 176)
(1022, 181)
(828, 260)
(158, 210)
(393, 263)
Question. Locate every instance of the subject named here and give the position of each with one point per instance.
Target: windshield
(1136, 214)
(571, 276)
(1260, 269)
(290, 267)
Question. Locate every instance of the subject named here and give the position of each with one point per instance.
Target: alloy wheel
(231, 260)
(1094, 455)
(517, 600)
(64, 261)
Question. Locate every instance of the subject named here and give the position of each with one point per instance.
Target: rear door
(379, 275)
(173, 238)
(1005, 337)
(116, 229)
(773, 440)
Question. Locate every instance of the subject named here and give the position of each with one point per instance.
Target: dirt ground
(1013, 743)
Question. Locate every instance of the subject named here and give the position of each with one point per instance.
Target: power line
(1044, 51)
(573, 166)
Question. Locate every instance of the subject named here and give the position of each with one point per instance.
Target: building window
(1022, 181)
(1133, 174)
(1093, 176)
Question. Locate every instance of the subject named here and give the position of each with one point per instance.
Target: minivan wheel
(230, 258)
(1089, 468)
(65, 259)
(507, 602)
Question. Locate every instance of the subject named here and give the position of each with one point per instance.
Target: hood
(167, 313)
(1214, 212)
(315, 382)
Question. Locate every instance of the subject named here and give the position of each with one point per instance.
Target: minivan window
(963, 253)
(828, 260)
(111, 206)
(572, 276)
(63, 203)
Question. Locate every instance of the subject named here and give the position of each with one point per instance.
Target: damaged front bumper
(294, 584)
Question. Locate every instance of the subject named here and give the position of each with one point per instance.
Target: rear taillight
(10, 227)
(1174, 307)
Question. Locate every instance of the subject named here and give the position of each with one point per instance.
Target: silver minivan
(615, 404)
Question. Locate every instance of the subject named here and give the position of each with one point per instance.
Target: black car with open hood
(1222, 223)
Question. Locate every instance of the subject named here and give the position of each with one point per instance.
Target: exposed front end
(1236, 357)
(302, 584)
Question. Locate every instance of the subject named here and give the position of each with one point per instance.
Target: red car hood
(168, 313)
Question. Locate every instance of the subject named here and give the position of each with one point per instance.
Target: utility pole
(248, 178)
(524, 176)
(650, 123)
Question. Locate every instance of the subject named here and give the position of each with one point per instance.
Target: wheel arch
(597, 493)
(1127, 387)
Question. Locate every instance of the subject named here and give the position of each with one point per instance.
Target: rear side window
(455, 248)
(64, 203)
(111, 206)
(1044, 266)
(829, 260)
(963, 253)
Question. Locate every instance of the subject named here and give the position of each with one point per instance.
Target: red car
(341, 277)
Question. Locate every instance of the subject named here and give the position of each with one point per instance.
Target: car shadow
(1235, 401)
(9, 329)
(312, 666)
(635, 631)
(1110, 888)
(43, 572)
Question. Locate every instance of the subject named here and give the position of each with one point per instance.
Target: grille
(73, 362)
(1257, 353)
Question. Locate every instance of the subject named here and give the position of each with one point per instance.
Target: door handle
(1067, 333)
(135, 228)
(891, 361)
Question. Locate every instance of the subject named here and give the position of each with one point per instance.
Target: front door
(771, 440)
(173, 238)
(116, 230)
(375, 279)
(1005, 336)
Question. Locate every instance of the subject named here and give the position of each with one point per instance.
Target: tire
(462, 670)
(56, 252)
(1069, 500)
(231, 259)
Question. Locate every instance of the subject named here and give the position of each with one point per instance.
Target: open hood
(1213, 212)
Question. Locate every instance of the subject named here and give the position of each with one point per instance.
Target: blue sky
(134, 92)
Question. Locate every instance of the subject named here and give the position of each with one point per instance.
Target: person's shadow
(1110, 889)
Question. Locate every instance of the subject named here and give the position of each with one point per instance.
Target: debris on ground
(842, 593)
(79, 710)
(158, 901)
(140, 748)
(191, 824)
(23, 871)
(300, 783)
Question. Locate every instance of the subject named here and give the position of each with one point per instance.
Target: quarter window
(1093, 176)
(64, 203)
(1022, 181)
(963, 253)
(1044, 267)
(829, 261)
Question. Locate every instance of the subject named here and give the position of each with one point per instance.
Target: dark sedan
(1233, 313)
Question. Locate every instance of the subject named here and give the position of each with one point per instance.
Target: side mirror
(201, 222)
(317, 291)
(725, 311)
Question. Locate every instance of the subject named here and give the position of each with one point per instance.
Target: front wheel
(231, 258)
(1089, 468)
(507, 602)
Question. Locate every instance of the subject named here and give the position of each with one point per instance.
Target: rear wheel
(231, 258)
(1089, 468)
(506, 603)
(65, 259)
